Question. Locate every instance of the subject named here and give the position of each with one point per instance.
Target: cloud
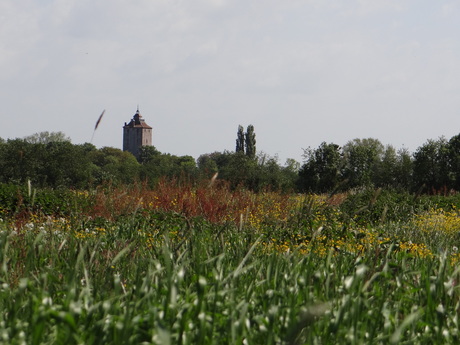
(287, 66)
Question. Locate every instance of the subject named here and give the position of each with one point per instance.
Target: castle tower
(136, 133)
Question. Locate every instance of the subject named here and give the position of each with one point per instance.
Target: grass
(288, 271)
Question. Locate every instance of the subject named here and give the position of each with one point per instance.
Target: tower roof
(137, 121)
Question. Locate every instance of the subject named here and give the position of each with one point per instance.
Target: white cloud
(289, 67)
(450, 9)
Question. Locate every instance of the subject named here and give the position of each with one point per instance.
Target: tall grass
(214, 266)
(214, 287)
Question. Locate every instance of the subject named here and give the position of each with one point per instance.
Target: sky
(302, 72)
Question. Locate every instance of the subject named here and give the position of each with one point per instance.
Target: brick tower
(136, 133)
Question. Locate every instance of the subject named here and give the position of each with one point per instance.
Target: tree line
(433, 168)
(51, 160)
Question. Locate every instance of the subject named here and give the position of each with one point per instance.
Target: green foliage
(56, 164)
(321, 171)
(360, 163)
(271, 176)
(361, 158)
(66, 165)
(240, 140)
(385, 172)
(237, 169)
(159, 165)
(372, 206)
(161, 278)
(259, 174)
(377, 206)
(148, 275)
(114, 165)
(13, 161)
(403, 170)
(454, 161)
(11, 198)
(147, 153)
(50, 160)
(47, 137)
(26, 200)
(431, 165)
(250, 141)
(207, 166)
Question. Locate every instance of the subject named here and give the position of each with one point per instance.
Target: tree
(187, 166)
(385, 172)
(147, 153)
(404, 169)
(235, 168)
(64, 165)
(115, 165)
(46, 137)
(431, 165)
(269, 175)
(55, 164)
(250, 139)
(18, 161)
(240, 140)
(207, 166)
(290, 175)
(156, 165)
(292, 165)
(361, 161)
(257, 174)
(321, 171)
(454, 161)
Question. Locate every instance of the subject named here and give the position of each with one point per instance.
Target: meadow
(183, 264)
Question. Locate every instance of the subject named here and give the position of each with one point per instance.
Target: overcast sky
(302, 72)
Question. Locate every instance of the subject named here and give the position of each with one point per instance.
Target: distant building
(136, 134)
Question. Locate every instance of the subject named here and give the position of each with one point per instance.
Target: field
(185, 264)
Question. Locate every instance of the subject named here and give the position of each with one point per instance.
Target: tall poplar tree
(250, 138)
(240, 140)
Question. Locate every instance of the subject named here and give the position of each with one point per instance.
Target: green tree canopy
(362, 158)
(156, 165)
(55, 164)
(46, 137)
(322, 168)
(250, 140)
(147, 153)
(432, 165)
(240, 140)
(115, 165)
(454, 161)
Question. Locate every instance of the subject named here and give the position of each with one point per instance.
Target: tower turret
(136, 133)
